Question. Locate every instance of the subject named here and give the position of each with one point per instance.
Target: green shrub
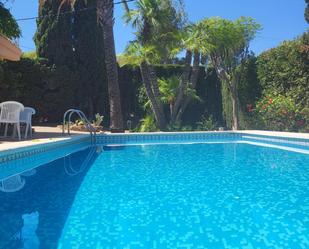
(284, 70)
(179, 127)
(98, 119)
(284, 75)
(29, 55)
(278, 112)
(148, 124)
(206, 124)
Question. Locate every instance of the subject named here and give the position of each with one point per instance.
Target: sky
(281, 19)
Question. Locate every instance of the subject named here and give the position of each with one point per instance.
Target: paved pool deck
(49, 134)
(42, 135)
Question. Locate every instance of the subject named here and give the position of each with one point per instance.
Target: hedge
(281, 71)
(51, 91)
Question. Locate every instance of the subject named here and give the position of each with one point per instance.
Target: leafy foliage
(284, 70)
(148, 124)
(49, 89)
(98, 119)
(227, 44)
(280, 113)
(30, 55)
(249, 91)
(89, 63)
(158, 25)
(53, 37)
(226, 39)
(283, 73)
(156, 20)
(206, 124)
(64, 40)
(8, 25)
(168, 88)
(179, 127)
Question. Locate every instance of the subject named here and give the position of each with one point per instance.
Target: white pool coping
(8, 146)
(44, 141)
(275, 134)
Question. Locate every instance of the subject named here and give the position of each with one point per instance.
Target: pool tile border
(198, 136)
(165, 137)
(159, 137)
(19, 153)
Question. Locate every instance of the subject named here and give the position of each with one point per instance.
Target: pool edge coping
(25, 150)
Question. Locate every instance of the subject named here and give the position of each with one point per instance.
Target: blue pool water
(224, 195)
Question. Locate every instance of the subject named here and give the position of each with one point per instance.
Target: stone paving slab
(42, 134)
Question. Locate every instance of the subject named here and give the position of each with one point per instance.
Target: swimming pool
(222, 191)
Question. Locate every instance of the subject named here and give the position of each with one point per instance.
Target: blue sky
(281, 19)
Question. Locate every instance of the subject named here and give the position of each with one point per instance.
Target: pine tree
(69, 38)
(53, 38)
(89, 58)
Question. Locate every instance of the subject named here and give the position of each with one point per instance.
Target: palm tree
(169, 90)
(105, 14)
(192, 45)
(105, 17)
(156, 22)
(140, 56)
(146, 18)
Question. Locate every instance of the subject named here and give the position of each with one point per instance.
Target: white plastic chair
(26, 117)
(12, 184)
(10, 112)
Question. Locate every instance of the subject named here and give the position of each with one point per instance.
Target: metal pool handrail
(87, 123)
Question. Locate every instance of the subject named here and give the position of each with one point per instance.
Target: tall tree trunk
(231, 82)
(182, 86)
(235, 111)
(105, 12)
(195, 69)
(155, 86)
(149, 78)
(156, 106)
(192, 83)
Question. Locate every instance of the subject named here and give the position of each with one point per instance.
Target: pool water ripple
(192, 196)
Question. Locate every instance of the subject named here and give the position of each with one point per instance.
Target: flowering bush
(280, 113)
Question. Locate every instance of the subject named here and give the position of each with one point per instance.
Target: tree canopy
(227, 45)
(8, 25)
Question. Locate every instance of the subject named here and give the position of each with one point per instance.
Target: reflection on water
(30, 172)
(12, 184)
(35, 204)
(191, 196)
(30, 239)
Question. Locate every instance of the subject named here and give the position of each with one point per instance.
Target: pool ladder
(85, 120)
(69, 168)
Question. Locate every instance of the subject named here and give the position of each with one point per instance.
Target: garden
(175, 75)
